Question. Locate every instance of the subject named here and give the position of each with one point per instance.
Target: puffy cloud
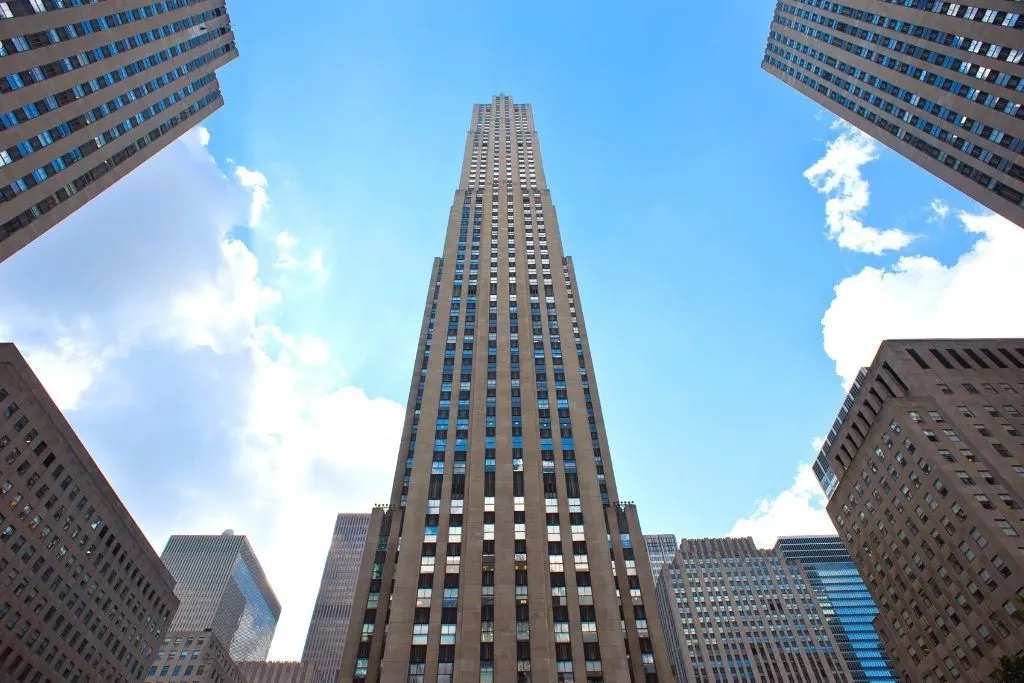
(838, 176)
(162, 344)
(256, 183)
(796, 511)
(939, 210)
(920, 297)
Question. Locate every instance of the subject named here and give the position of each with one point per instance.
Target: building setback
(222, 587)
(739, 613)
(845, 602)
(84, 595)
(924, 469)
(280, 672)
(328, 627)
(661, 549)
(90, 90)
(518, 562)
(194, 657)
(941, 83)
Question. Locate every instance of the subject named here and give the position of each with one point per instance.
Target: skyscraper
(844, 601)
(733, 612)
(924, 469)
(83, 596)
(89, 90)
(517, 560)
(661, 549)
(328, 627)
(222, 587)
(941, 83)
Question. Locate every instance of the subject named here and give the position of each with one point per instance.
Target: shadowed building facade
(222, 587)
(733, 613)
(328, 627)
(280, 672)
(924, 470)
(845, 603)
(194, 657)
(83, 596)
(517, 560)
(940, 82)
(89, 90)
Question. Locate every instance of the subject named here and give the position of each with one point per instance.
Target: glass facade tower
(505, 554)
(844, 600)
(222, 587)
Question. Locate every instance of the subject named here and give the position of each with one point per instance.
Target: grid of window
(953, 94)
(83, 82)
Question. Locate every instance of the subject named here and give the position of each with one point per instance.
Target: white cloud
(921, 297)
(256, 183)
(180, 317)
(816, 443)
(837, 175)
(797, 511)
(939, 210)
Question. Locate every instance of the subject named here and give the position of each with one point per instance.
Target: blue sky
(240, 358)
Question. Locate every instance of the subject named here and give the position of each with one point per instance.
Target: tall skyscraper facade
(328, 627)
(222, 587)
(940, 82)
(505, 554)
(83, 596)
(91, 89)
(844, 601)
(661, 549)
(733, 612)
(924, 469)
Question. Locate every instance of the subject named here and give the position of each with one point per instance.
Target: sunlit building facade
(736, 613)
(222, 587)
(844, 601)
(940, 82)
(924, 473)
(91, 89)
(505, 554)
(661, 549)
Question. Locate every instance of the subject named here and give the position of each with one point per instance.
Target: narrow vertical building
(940, 82)
(83, 596)
(332, 612)
(505, 554)
(733, 612)
(222, 587)
(661, 549)
(89, 90)
(844, 601)
(924, 470)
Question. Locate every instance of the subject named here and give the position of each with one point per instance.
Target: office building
(518, 561)
(222, 587)
(194, 657)
(280, 672)
(83, 595)
(328, 627)
(924, 471)
(90, 90)
(844, 601)
(661, 549)
(740, 613)
(942, 83)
